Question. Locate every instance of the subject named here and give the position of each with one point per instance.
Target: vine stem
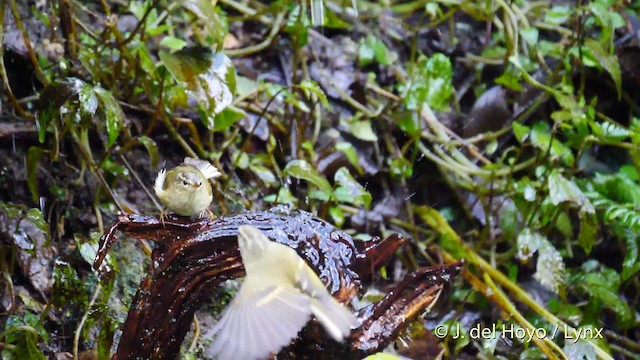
(76, 336)
(441, 225)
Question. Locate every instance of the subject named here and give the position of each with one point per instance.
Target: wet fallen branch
(192, 258)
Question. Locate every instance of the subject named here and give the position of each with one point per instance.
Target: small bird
(185, 189)
(278, 295)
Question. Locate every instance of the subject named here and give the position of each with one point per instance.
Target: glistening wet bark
(192, 258)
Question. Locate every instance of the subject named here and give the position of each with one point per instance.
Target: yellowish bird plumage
(277, 297)
(185, 189)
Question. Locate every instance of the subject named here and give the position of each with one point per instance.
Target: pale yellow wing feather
(257, 324)
(206, 168)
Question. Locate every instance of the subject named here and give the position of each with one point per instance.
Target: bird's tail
(334, 317)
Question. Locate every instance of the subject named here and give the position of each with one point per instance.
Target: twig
(76, 335)
(3, 69)
(25, 36)
(275, 29)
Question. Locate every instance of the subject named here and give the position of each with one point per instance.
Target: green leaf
(541, 138)
(19, 333)
(227, 117)
(373, 49)
(530, 35)
(213, 22)
(608, 61)
(510, 78)
(631, 262)
(521, 132)
(434, 219)
(173, 43)
(431, 83)
(311, 87)
(604, 286)
(152, 149)
(351, 154)
(557, 15)
(108, 326)
(207, 76)
(301, 169)
(284, 197)
(588, 231)
(264, 174)
(114, 116)
(337, 215)
(350, 190)
(298, 25)
(400, 168)
(562, 190)
(410, 124)
(88, 101)
(363, 130)
(609, 132)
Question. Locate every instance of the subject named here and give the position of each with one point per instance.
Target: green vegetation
(504, 133)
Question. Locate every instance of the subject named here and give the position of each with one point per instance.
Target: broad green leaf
(373, 49)
(363, 130)
(541, 138)
(410, 124)
(510, 78)
(349, 189)
(562, 190)
(114, 117)
(521, 132)
(301, 169)
(208, 76)
(608, 61)
(557, 15)
(108, 326)
(88, 101)
(152, 149)
(530, 35)
(173, 43)
(264, 174)
(333, 21)
(351, 154)
(284, 196)
(227, 117)
(88, 251)
(337, 215)
(431, 82)
(215, 24)
(155, 31)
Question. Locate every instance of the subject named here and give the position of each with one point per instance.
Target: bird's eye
(184, 183)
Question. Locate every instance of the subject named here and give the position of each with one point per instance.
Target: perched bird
(185, 189)
(278, 295)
